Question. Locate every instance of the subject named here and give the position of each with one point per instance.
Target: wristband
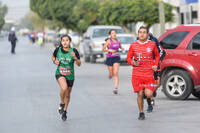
(109, 51)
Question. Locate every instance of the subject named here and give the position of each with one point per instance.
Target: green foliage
(62, 11)
(148, 11)
(121, 12)
(85, 13)
(79, 14)
(41, 7)
(3, 11)
(26, 22)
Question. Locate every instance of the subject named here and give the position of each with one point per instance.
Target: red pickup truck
(180, 69)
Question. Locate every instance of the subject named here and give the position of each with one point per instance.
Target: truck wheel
(93, 59)
(177, 84)
(196, 93)
(87, 58)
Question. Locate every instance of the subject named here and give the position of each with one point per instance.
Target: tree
(85, 13)
(71, 14)
(79, 14)
(148, 12)
(3, 11)
(124, 12)
(117, 13)
(61, 12)
(41, 7)
(40, 23)
(26, 22)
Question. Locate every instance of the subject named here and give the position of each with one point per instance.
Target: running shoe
(115, 91)
(141, 116)
(61, 108)
(64, 116)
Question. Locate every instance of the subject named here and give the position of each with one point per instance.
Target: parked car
(81, 51)
(56, 42)
(4, 34)
(125, 41)
(93, 41)
(180, 69)
(76, 38)
(50, 36)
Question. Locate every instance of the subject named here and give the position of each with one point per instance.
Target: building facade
(185, 12)
(190, 11)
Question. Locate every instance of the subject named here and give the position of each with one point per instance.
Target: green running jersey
(66, 66)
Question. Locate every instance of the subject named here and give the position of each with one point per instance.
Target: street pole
(161, 16)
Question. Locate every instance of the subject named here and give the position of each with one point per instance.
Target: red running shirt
(143, 53)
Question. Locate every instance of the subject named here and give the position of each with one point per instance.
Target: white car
(75, 38)
(50, 36)
(93, 41)
(125, 40)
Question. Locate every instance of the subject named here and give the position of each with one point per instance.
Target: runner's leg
(140, 101)
(110, 70)
(148, 93)
(115, 74)
(63, 88)
(67, 97)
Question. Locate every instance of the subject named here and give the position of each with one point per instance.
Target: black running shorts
(69, 82)
(110, 61)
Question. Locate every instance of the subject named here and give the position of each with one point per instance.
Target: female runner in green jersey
(64, 57)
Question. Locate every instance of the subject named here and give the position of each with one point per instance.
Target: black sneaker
(61, 108)
(141, 116)
(149, 109)
(64, 116)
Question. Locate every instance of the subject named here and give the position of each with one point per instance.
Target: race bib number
(65, 71)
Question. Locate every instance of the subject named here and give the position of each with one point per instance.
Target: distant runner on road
(65, 57)
(112, 46)
(13, 39)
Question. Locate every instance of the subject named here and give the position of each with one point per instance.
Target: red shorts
(139, 83)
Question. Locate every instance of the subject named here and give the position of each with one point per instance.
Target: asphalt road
(29, 99)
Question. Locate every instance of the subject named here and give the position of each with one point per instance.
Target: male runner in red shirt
(140, 56)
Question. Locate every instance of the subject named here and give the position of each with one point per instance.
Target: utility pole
(161, 16)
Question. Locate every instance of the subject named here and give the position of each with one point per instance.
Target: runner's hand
(154, 68)
(135, 63)
(113, 51)
(122, 49)
(73, 55)
(57, 62)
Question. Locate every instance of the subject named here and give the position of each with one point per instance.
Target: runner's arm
(54, 56)
(130, 55)
(121, 46)
(77, 57)
(105, 47)
(157, 55)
